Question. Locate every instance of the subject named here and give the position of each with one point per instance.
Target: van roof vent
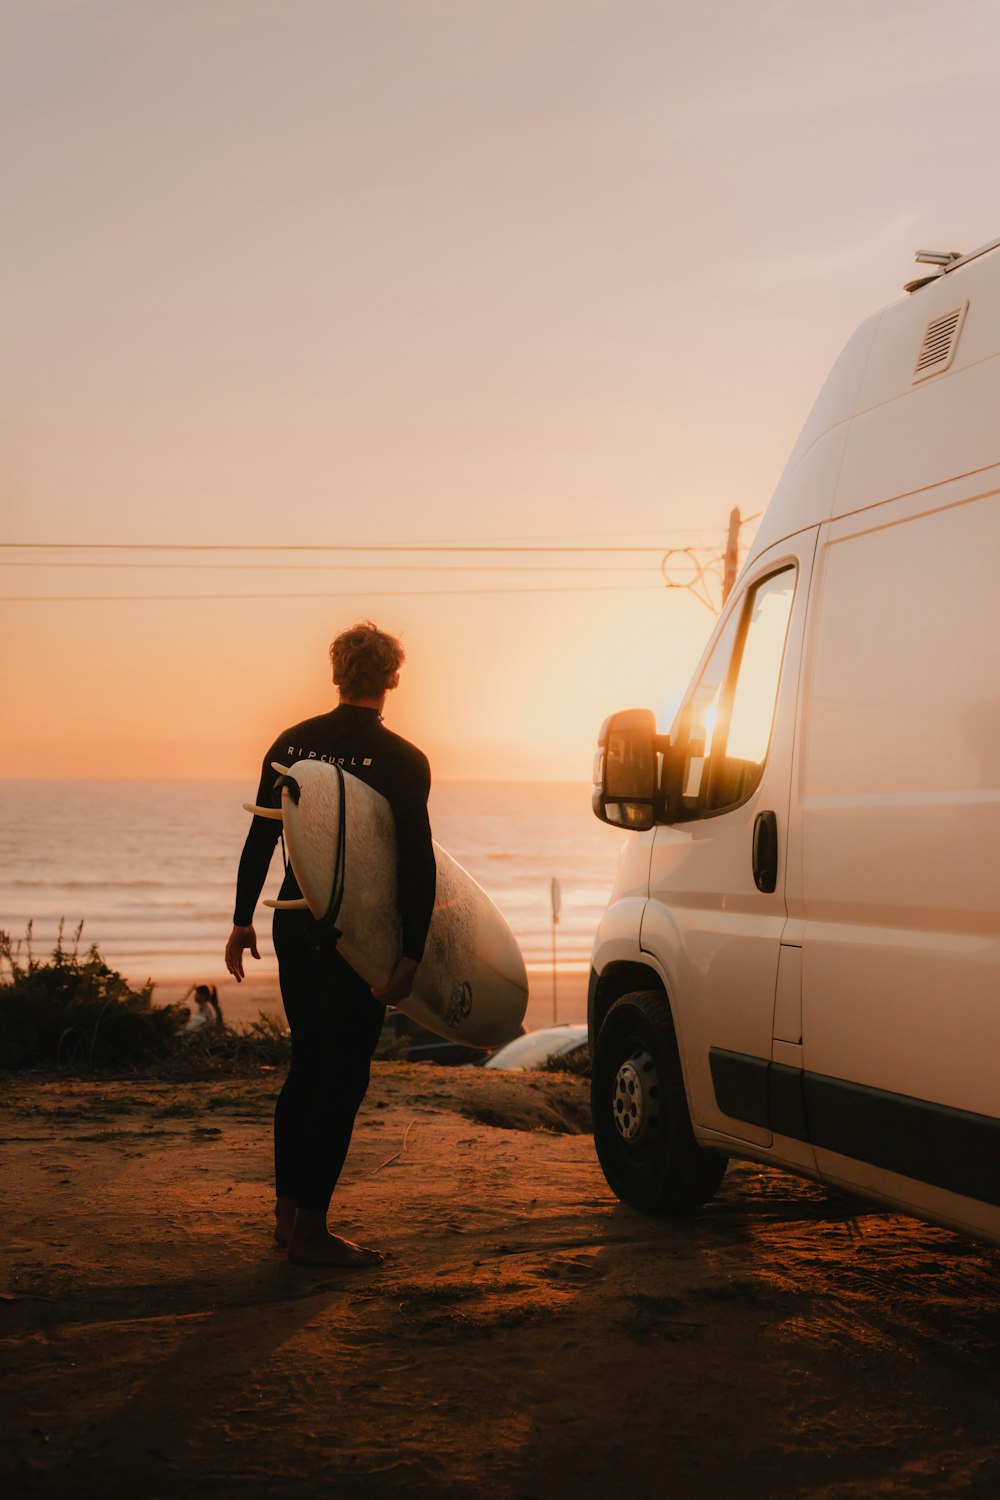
(940, 342)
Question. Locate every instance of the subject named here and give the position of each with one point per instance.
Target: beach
(527, 1337)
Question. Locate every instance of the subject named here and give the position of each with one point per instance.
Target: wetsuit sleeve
(416, 868)
(260, 841)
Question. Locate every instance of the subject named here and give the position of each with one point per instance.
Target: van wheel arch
(619, 979)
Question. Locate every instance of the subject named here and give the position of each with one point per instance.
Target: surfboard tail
(299, 904)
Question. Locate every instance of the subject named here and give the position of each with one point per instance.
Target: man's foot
(326, 1249)
(285, 1214)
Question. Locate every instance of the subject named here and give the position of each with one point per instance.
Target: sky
(325, 274)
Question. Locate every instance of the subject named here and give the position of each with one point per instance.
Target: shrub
(265, 1043)
(576, 1062)
(75, 1012)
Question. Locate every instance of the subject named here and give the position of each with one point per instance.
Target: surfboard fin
(288, 783)
(299, 904)
(262, 812)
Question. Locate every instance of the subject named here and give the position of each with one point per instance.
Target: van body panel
(632, 875)
(899, 796)
(716, 933)
(703, 950)
(932, 433)
(618, 936)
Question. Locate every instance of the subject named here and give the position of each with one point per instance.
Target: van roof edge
(972, 255)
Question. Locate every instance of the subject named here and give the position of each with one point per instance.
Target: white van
(800, 959)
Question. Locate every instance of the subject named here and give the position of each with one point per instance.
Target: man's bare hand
(239, 939)
(400, 983)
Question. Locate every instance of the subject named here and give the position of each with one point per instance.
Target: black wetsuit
(333, 1018)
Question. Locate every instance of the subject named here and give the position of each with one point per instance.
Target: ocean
(149, 867)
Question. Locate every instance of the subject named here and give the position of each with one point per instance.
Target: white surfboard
(471, 985)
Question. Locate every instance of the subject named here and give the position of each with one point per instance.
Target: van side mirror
(625, 770)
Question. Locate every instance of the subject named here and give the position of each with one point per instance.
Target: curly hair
(365, 660)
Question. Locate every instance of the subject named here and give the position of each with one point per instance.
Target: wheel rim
(635, 1098)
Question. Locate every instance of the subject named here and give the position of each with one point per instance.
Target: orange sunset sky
(328, 273)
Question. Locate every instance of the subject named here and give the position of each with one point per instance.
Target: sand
(528, 1336)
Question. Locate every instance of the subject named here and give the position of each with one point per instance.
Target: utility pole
(730, 561)
(700, 569)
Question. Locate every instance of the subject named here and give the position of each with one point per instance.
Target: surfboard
(471, 985)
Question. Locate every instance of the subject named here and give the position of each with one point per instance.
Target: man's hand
(400, 983)
(239, 939)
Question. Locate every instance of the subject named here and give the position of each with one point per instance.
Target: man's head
(366, 662)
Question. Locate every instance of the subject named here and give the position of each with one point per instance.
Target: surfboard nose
(262, 812)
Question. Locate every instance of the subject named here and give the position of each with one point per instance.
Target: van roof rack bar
(943, 258)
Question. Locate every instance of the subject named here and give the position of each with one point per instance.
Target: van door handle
(765, 851)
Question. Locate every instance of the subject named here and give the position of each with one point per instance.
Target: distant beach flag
(556, 899)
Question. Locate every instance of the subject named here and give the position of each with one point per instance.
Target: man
(334, 1017)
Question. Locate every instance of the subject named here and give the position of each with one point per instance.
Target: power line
(700, 561)
(332, 596)
(346, 567)
(593, 535)
(404, 547)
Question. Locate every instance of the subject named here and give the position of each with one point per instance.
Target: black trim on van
(741, 1086)
(932, 1143)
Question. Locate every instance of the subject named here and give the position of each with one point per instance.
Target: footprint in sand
(576, 1269)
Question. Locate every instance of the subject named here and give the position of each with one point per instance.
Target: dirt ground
(527, 1337)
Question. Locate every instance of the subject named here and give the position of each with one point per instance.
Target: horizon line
(437, 781)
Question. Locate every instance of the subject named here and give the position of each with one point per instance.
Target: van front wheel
(642, 1129)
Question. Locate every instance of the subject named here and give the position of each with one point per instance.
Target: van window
(727, 721)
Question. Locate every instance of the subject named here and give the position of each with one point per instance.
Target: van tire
(642, 1128)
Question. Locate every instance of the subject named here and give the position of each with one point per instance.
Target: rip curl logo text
(461, 1002)
(333, 760)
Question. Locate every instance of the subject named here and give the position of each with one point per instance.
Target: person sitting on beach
(209, 1011)
(335, 1018)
